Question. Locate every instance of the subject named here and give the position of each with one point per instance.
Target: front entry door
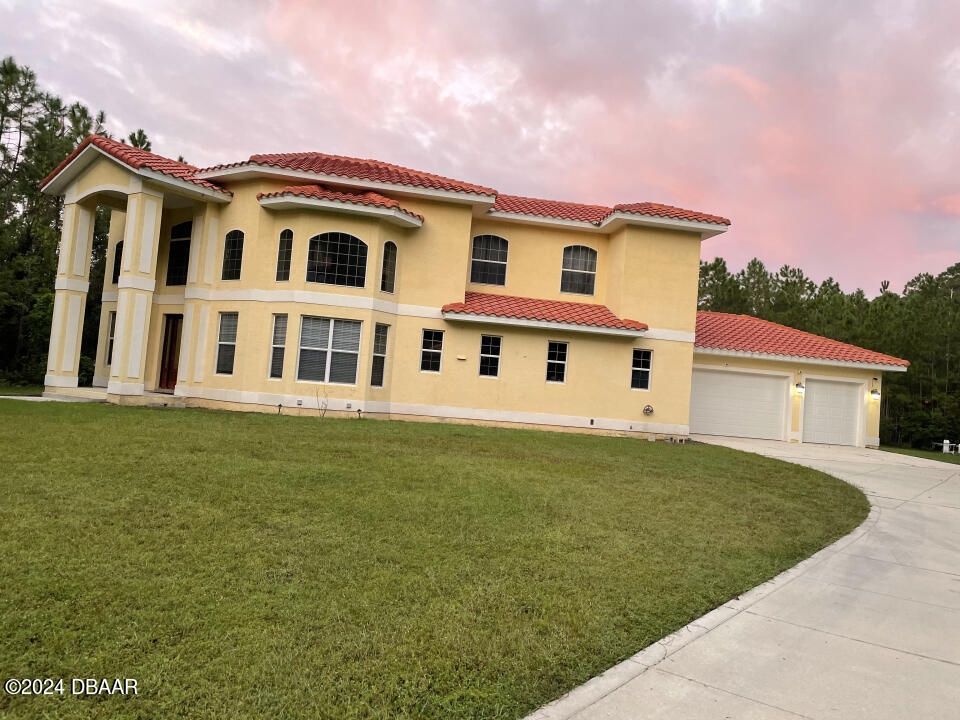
(170, 359)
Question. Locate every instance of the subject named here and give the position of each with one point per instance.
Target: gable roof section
(319, 192)
(743, 334)
(551, 312)
(135, 159)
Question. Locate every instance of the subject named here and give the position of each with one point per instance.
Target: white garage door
(831, 412)
(738, 404)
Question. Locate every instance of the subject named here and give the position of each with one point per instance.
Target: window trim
(585, 272)
(423, 350)
(375, 354)
(274, 346)
(498, 356)
(111, 336)
(383, 260)
(649, 370)
(280, 239)
(224, 256)
(220, 343)
(505, 263)
(565, 362)
(329, 350)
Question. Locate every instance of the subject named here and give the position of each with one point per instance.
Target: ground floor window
(490, 355)
(277, 345)
(431, 350)
(227, 343)
(111, 331)
(329, 350)
(640, 377)
(379, 354)
(556, 362)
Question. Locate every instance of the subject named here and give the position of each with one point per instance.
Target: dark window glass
(379, 354)
(489, 263)
(227, 343)
(178, 262)
(284, 255)
(579, 270)
(556, 361)
(489, 355)
(337, 259)
(117, 258)
(640, 375)
(110, 334)
(431, 350)
(277, 345)
(232, 255)
(388, 274)
(181, 231)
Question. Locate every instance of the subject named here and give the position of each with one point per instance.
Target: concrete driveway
(867, 628)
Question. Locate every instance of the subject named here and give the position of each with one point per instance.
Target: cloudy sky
(827, 131)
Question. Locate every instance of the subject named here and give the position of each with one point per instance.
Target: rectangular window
(379, 354)
(329, 349)
(431, 350)
(556, 362)
(178, 262)
(111, 330)
(284, 255)
(227, 343)
(640, 376)
(277, 345)
(489, 355)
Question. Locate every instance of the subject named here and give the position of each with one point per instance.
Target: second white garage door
(738, 404)
(831, 412)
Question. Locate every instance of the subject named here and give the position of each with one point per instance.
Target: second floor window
(284, 255)
(336, 258)
(117, 259)
(388, 274)
(232, 255)
(489, 260)
(579, 272)
(178, 262)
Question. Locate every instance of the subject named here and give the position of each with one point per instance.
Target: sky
(826, 131)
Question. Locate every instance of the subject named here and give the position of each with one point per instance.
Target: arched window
(232, 255)
(388, 273)
(489, 265)
(284, 255)
(579, 272)
(336, 258)
(117, 258)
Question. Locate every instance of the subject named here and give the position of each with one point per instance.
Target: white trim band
(62, 381)
(73, 284)
(311, 297)
(289, 201)
(798, 359)
(128, 282)
(115, 387)
(542, 324)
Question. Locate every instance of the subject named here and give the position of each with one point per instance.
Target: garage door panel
(831, 412)
(738, 404)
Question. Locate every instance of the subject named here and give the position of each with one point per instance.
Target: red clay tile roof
(359, 169)
(722, 331)
(323, 193)
(596, 214)
(136, 159)
(508, 306)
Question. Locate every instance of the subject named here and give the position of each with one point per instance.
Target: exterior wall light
(800, 388)
(875, 394)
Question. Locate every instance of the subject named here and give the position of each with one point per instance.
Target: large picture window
(489, 260)
(227, 343)
(284, 255)
(337, 258)
(579, 272)
(329, 348)
(277, 345)
(388, 273)
(431, 351)
(379, 354)
(640, 374)
(232, 255)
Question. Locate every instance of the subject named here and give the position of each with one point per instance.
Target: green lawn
(12, 389)
(929, 454)
(242, 565)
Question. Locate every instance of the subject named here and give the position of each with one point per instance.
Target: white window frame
(329, 350)
(220, 343)
(505, 263)
(423, 350)
(274, 346)
(498, 356)
(565, 362)
(375, 354)
(111, 334)
(585, 272)
(648, 369)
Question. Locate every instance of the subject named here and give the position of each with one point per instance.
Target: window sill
(321, 382)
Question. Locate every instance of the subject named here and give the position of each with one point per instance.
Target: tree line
(37, 131)
(921, 324)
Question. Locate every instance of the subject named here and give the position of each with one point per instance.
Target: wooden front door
(170, 359)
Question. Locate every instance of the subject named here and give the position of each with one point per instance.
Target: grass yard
(14, 389)
(242, 565)
(929, 454)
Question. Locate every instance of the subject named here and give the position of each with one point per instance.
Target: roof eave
(289, 201)
(540, 324)
(617, 219)
(724, 352)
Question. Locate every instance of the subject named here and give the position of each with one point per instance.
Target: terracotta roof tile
(668, 211)
(323, 193)
(509, 306)
(551, 208)
(136, 159)
(743, 333)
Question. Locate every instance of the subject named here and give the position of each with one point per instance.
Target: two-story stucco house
(303, 282)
